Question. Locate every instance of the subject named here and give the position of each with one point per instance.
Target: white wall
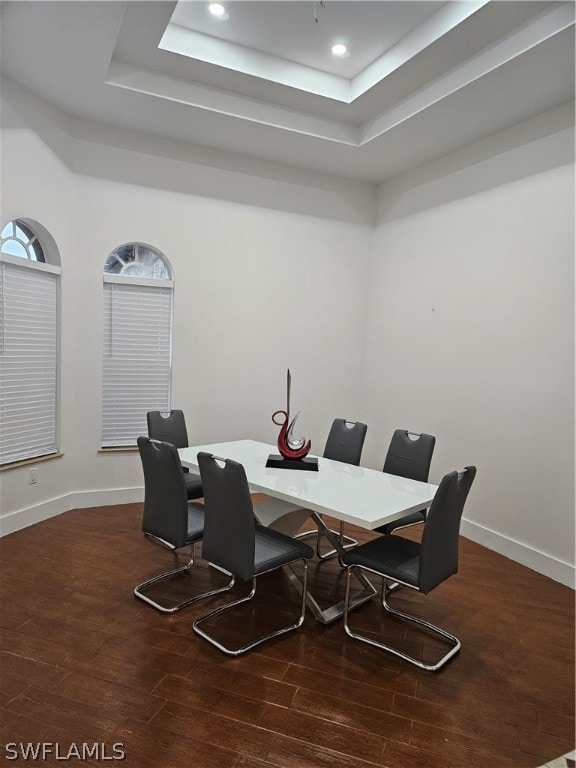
(257, 290)
(37, 183)
(454, 315)
(471, 337)
(276, 281)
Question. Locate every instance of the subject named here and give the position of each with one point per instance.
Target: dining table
(357, 495)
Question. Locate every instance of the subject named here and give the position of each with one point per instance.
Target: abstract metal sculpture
(289, 447)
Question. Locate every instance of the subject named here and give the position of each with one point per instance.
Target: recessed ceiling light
(340, 51)
(218, 11)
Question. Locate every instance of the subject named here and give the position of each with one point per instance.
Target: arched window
(17, 239)
(29, 293)
(137, 349)
(137, 260)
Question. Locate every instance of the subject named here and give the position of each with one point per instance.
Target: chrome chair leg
(306, 534)
(223, 608)
(139, 590)
(454, 642)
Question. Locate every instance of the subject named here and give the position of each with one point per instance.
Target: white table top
(357, 495)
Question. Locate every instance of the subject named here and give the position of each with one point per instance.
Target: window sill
(27, 462)
(119, 449)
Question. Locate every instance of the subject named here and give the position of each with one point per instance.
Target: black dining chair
(422, 566)
(168, 518)
(409, 455)
(236, 543)
(171, 428)
(344, 443)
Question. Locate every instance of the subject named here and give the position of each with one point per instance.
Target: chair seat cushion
(274, 549)
(193, 486)
(195, 522)
(412, 519)
(393, 556)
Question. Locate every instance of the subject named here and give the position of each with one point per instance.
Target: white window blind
(137, 358)
(28, 361)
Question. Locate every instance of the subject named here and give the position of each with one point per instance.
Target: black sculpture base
(279, 462)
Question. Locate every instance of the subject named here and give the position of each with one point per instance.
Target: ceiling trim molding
(506, 64)
(239, 58)
(162, 86)
(438, 25)
(198, 46)
(513, 45)
(171, 88)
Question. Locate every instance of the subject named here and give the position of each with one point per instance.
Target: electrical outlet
(33, 476)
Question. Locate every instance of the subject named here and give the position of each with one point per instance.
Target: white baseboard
(14, 521)
(565, 573)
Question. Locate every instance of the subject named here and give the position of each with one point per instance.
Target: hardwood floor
(84, 662)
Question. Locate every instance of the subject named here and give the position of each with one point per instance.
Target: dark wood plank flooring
(83, 661)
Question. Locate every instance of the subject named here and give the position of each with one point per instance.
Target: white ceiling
(290, 42)
(303, 32)
(422, 79)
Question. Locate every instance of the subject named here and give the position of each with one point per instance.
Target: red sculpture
(289, 447)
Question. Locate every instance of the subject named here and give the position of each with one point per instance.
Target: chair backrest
(345, 441)
(170, 428)
(165, 502)
(410, 455)
(439, 549)
(229, 523)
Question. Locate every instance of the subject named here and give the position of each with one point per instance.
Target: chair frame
(234, 541)
(157, 423)
(140, 589)
(156, 418)
(263, 638)
(451, 639)
(423, 478)
(437, 558)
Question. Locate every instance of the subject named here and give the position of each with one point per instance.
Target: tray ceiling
(422, 78)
